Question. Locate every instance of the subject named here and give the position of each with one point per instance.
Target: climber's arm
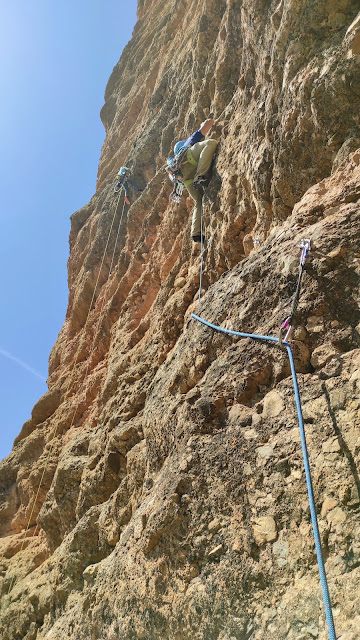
(206, 126)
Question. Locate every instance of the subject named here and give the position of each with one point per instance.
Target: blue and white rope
(315, 526)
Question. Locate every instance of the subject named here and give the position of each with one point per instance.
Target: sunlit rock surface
(161, 477)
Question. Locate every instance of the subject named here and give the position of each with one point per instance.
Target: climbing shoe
(198, 238)
(127, 200)
(201, 181)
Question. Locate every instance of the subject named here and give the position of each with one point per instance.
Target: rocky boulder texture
(158, 489)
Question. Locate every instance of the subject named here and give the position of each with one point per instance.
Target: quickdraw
(178, 189)
(284, 332)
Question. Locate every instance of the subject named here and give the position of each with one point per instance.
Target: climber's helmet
(178, 146)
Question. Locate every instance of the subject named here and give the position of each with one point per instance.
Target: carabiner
(285, 325)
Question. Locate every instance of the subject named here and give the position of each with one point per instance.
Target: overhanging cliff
(161, 477)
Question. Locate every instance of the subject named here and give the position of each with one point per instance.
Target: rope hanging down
(323, 579)
(101, 309)
(12, 582)
(305, 248)
(202, 248)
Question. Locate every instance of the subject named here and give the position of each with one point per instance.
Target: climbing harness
(173, 167)
(321, 566)
(12, 581)
(173, 164)
(305, 246)
(123, 183)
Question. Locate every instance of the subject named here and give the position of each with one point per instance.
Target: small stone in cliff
(264, 530)
(238, 546)
(336, 516)
(331, 446)
(250, 434)
(328, 505)
(300, 333)
(214, 525)
(239, 414)
(322, 354)
(315, 324)
(90, 572)
(281, 551)
(217, 551)
(301, 355)
(273, 404)
(180, 282)
(265, 452)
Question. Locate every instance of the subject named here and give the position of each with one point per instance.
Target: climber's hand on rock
(206, 126)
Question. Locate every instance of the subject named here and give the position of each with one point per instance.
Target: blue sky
(55, 60)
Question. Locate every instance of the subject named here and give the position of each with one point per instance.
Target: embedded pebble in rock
(264, 529)
(281, 551)
(265, 452)
(214, 525)
(173, 503)
(328, 505)
(322, 354)
(273, 405)
(336, 517)
(217, 551)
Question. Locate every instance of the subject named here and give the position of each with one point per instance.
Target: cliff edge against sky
(161, 478)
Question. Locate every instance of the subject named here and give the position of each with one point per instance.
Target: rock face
(160, 479)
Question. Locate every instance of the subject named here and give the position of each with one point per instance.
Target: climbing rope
(202, 247)
(12, 582)
(321, 566)
(282, 341)
(305, 246)
(92, 348)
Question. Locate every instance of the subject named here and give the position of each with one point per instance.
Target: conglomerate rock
(160, 479)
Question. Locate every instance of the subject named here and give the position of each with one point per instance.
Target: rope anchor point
(284, 332)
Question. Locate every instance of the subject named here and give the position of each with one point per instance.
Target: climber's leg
(203, 152)
(196, 219)
(126, 189)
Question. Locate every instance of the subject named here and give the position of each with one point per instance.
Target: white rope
(100, 315)
(12, 582)
(202, 247)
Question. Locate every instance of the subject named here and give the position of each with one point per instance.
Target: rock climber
(124, 180)
(189, 168)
